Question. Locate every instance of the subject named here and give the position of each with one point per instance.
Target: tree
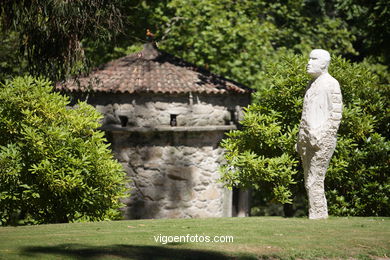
(50, 31)
(10, 62)
(54, 165)
(232, 38)
(137, 16)
(237, 38)
(369, 21)
(262, 154)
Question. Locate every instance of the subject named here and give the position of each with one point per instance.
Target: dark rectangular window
(173, 120)
(124, 120)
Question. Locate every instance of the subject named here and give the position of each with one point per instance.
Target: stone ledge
(119, 128)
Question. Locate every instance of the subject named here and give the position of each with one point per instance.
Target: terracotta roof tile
(152, 71)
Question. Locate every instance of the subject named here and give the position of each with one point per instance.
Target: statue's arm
(336, 101)
(329, 109)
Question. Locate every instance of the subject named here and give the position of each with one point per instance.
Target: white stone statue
(320, 121)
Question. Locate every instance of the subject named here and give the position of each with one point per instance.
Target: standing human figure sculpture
(321, 116)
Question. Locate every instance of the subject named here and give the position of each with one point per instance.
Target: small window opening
(233, 116)
(173, 120)
(124, 120)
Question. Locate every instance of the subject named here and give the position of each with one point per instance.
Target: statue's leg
(318, 208)
(314, 185)
(314, 181)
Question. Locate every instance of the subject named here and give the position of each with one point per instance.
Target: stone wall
(150, 110)
(173, 174)
(174, 169)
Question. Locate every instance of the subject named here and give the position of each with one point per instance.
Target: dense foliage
(233, 38)
(369, 22)
(262, 154)
(50, 31)
(237, 38)
(54, 165)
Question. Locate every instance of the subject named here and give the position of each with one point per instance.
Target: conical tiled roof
(152, 71)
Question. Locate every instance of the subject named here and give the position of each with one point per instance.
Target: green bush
(54, 165)
(262, 154)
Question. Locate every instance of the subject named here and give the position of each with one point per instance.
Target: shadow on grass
(77, 251)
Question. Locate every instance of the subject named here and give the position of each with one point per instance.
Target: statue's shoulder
(332, 82)
(330, 79)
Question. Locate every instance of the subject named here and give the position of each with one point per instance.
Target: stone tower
(164, 119)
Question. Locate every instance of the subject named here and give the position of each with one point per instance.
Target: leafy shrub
(262, 154)
(54, 165)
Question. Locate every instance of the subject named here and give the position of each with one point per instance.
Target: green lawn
(254, 238)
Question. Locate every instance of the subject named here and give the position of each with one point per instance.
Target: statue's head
(318, 62)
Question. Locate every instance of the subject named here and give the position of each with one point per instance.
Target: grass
(254, 238)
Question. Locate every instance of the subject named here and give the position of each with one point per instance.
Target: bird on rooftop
(149, 35)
